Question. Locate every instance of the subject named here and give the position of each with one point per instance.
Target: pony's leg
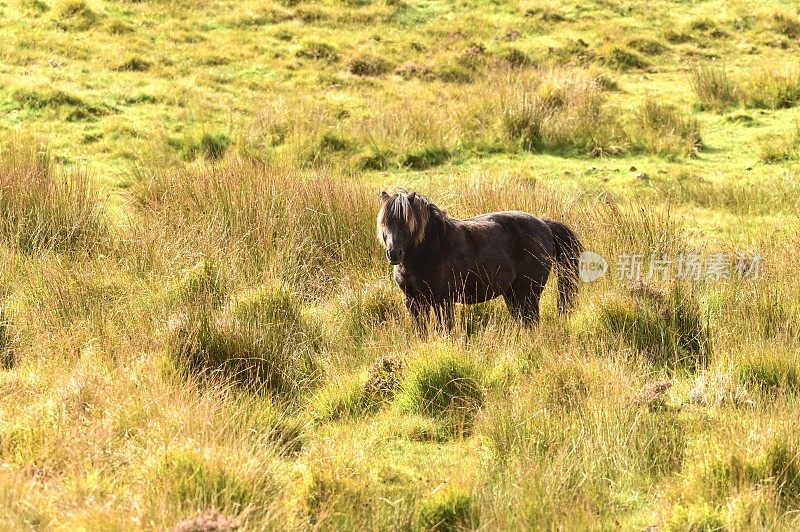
(419, 312)
(530, 312)
(524, 304)
(444, 316)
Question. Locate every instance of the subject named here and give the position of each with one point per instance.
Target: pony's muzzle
(394, 256)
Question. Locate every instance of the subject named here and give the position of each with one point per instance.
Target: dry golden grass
(197, 324)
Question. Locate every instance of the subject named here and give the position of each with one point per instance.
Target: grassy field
(198, 327)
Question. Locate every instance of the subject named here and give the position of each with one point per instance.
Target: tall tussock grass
(774, 149)
(308, 230)
(445, 385)
(738, 485)
(42, 208)
(714, 88)
(622, 228)
(669, 329)
(556, 113)
(547, 450)
(665, 130)
(257, 337)
(8, 340)
(765, 88)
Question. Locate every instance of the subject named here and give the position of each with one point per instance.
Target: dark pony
(439, 260)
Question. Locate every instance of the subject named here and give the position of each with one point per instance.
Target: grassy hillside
(198, 326)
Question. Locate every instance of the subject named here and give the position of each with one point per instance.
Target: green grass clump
(737, 485)
(701, 517)
(662, 129)
(369, 66)
(212, 146)
(515, 57)
(119, 27)
(45, 98)
(360, 395)
(620, 58)
(331, 141)
(762, 89)
(135, 64)
(35, 6)
(44, 210)
(450, 510)
(444, 385)
(319, 51)
(74, 15)
(259, 339)
(375, 306)
(714, 88)
(769, 374)
(786, 24)
(452, 71)
(343, 399)
(415, 71)
(773, 149)
(646, 46)
(773, 89)
(202, 282)
(8, 340)
(376, 158)
(194, 482)
(560, 114)
(670, 330)
(427, 157)
(76, 109)
(333, 497)
(722, 472)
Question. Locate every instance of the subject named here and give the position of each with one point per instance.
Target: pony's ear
(384, 196)
(412, 197)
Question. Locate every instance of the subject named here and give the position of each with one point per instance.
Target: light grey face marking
(401, 223)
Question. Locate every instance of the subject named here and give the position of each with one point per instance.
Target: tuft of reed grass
(769, 374)
(448, 510)
(135, 64)
(369, 66)
(257, 339)
(782, 148)
(664, 130)
(714, 88)
(192, 481)
(773, 89)
(359, 395)
(446, 386)
(717, 478)
(8, 340)
(559, 113)
(670, 329)
(374, 306)
(308, 239)
(74, 15)
(42, 209)
(622, 58)
(767, 88)
(319, 51)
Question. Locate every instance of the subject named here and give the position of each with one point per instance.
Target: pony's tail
(567, 248)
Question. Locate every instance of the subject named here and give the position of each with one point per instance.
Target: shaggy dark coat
(439, 260)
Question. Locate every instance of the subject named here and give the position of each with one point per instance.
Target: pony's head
(401, 223)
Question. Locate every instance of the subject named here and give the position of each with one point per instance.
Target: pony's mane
(414, 214)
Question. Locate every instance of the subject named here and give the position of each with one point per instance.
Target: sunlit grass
(198, 326)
